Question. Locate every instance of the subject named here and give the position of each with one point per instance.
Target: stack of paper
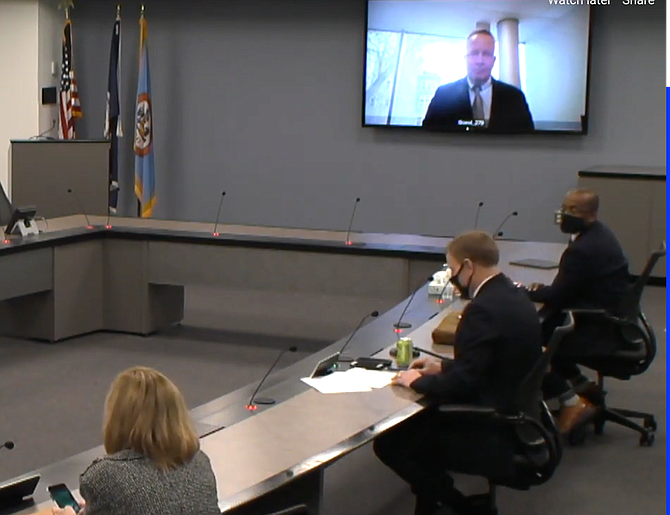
(353, 380)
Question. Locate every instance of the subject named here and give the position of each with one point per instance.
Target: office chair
(6, 208)
(530, 429)
(637, 337)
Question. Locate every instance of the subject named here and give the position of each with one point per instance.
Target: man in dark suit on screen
(479, 100)
(498, 341)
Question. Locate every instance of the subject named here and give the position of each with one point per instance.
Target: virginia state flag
(145, 181)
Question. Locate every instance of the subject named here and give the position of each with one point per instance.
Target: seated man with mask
(593, 274)
(498, 341)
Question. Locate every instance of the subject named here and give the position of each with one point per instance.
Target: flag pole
(66, 5)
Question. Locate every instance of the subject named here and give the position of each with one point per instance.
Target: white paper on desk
(351, 381)
(337, 382)
(373, 378)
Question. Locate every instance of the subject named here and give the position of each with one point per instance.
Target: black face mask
(571, 224)
(464, 290)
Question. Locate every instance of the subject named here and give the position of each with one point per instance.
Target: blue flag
(145, 180)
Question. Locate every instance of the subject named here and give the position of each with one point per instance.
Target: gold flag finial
(142, 11)
(118, 12)
(66, 5)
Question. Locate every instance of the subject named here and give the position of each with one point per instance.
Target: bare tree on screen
(382, 55)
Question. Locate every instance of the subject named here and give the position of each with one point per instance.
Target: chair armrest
(468, 413)
(586, 312)
(466, 409)
(579, 313)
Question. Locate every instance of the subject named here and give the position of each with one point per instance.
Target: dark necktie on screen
(478, 104)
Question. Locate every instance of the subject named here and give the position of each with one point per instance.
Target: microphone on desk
(440, 299)
(44, 133)
(344, 359)
(253, 402)
(218, 214)
(400, 325)
(81, 208)
(479, 208)
(109, 215)
(9, 445)
(497, 233)
(351, 223)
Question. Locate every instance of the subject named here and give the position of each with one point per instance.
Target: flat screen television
(494, 66)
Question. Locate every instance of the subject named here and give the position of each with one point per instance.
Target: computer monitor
(326, 366)
(21, 214)
(16, 491)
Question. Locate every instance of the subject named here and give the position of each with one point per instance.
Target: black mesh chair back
(6, 208)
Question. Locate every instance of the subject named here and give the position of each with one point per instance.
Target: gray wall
(262, 98)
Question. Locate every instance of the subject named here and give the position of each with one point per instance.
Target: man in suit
(497, 342)
(499, 106)
(593, 274)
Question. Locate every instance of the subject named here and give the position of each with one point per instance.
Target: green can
(405, 351)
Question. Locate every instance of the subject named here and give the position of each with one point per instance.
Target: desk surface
(73, 228)
(257, 451)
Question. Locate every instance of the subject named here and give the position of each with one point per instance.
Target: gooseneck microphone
(497, 233)
(351, 223)
(80, 207)
(440, 299)
(479, 208)
(218, 214)
(9, 445)
(42, 134)
(346, 359)
(399, 325)
(252, 405)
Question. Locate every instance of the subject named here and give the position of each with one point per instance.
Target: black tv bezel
(469, 132)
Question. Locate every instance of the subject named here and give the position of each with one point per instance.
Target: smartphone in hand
(62, 496)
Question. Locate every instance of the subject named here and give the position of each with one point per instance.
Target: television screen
(501, 66)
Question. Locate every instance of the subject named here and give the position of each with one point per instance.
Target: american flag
(69, 97)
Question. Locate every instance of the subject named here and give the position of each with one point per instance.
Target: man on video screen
(478, 100)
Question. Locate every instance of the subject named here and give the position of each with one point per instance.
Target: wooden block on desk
(445, 333)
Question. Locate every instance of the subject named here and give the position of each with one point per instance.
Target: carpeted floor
(51, 399)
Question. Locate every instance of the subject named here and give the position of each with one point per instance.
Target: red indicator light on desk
(216, 234)
(108, 226)
(349, 243)
(398, 331)
(440, 301)
(251, 407)
(6, 242)
(89, 227)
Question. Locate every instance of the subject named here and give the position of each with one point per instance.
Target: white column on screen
(508, 51)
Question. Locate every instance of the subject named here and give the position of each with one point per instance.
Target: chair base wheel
(650, 424)
(598, 427)
(647, 439)
(577, 436)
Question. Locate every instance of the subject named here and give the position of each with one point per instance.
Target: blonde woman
(154, 464)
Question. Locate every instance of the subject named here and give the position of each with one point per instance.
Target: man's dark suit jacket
(498, 341)
(451, 103)
(593, 274)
